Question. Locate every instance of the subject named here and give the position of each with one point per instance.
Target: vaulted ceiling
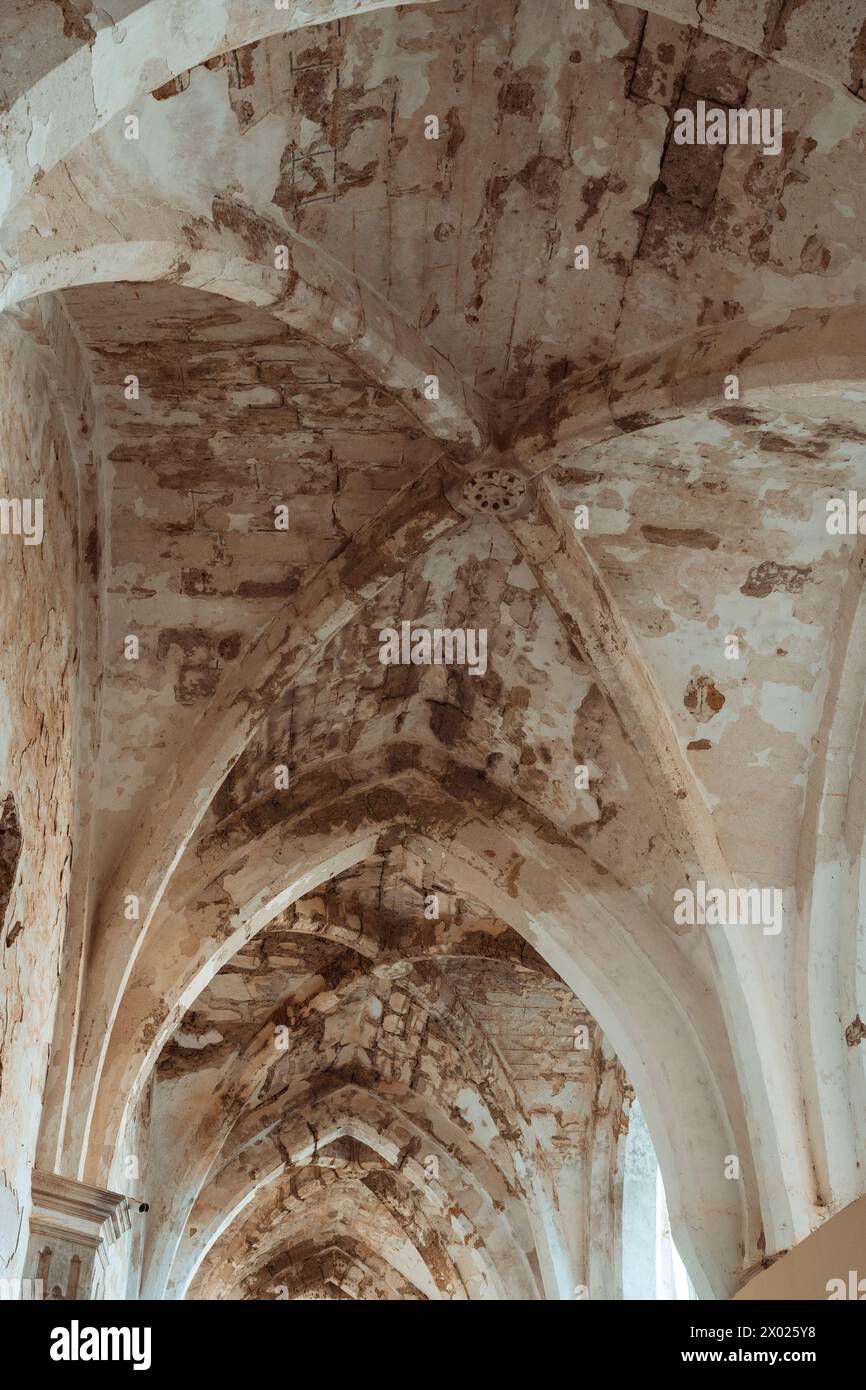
(393, 971)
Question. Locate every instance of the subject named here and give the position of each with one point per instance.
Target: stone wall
(38, 665)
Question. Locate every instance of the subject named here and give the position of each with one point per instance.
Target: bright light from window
(651, 1265)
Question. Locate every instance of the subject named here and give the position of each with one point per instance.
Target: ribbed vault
(361, 965)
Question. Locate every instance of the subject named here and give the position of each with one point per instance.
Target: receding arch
(337, 592)
(220, 1145)
(310, 1208)
(375, 1120)
(627, 970)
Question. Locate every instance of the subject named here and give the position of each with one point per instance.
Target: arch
(338, 1264)
(599, 633)
(309, 1209)
(199, 1151)
(763, 1050)
(808, 355)
(347, 1108)
(291, 642)
(625, 967)
(829, 888)
(286, 1269)
(232, 255)
(99, 72)
(783, 359)
(381, 1124)
(210, 1149)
